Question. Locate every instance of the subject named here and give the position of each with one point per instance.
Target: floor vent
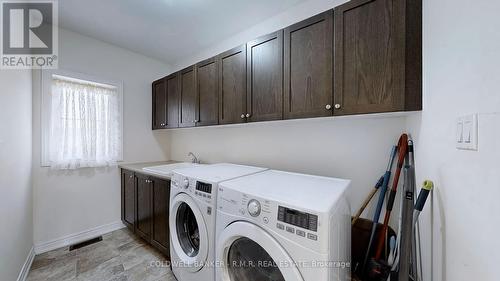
(85, 243)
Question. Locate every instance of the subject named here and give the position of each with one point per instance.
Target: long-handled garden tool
(402, 151)
(417, 252)
(380, 203)
(406, 235)
(377, 186)
(375, 268)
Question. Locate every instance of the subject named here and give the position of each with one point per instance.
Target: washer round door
(247, 252)
(189, 233)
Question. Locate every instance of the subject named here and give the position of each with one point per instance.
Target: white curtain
(85, 125)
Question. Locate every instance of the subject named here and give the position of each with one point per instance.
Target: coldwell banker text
(29, 34)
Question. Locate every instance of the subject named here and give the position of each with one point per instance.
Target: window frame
(46, 102)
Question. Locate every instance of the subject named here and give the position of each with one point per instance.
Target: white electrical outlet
(467, 132)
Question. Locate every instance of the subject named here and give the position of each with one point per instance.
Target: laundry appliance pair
(235, 223)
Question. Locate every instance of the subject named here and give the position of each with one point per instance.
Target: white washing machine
(192, 218)
(280, 226)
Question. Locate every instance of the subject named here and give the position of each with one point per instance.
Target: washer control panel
(288, 221)
(298, 218)
(198, 189)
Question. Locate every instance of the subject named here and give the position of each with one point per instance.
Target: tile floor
(119, 257)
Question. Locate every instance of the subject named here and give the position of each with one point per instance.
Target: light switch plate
(467, 132)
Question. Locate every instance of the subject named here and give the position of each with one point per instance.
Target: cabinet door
(187, 114)
(160, 233)
(308, 67)
(373, 72)
(143, 207)
(172, 85)
(265, 78)
(159, 104)
(232, 86)
(208, 93)
(128, 199)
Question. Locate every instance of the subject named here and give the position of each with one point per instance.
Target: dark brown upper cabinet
(187, 103)
(159, 104)
(378, 56)
(364, 56)
(207, 110)
(128, 199)
(265, 78)
(172, 82)
(308, 87)
(232, 86)
(166, 102)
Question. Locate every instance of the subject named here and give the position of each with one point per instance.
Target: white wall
(70, 202)
(355, 148)
(16, 211)
(461, 59)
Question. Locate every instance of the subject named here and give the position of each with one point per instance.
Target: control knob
(185, 183)
(254, 208)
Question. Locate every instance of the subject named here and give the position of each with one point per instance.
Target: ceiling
(168, 30)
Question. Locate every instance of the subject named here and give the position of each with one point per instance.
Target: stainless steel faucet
(194, 159)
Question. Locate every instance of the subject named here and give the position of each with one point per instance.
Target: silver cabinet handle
(328, 106)
(242, 116)
(337, 106)
(248, 115)
(196, 121)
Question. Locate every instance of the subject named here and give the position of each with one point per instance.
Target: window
(83, 122)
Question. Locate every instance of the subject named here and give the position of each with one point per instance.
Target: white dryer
(280, 226)
(192, 218)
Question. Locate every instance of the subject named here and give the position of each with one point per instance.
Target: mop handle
(422, 198)
(384, 186)
(424, 193)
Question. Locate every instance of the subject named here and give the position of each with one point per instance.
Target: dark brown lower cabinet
(128, 199)
(145, 208)
(160, 233)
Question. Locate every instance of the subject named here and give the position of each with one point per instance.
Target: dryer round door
(189, 233)
(247, 252)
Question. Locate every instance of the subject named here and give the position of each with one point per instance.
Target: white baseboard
(77, 237)
(27, 265)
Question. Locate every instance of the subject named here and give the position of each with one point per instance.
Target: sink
(166, 170)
